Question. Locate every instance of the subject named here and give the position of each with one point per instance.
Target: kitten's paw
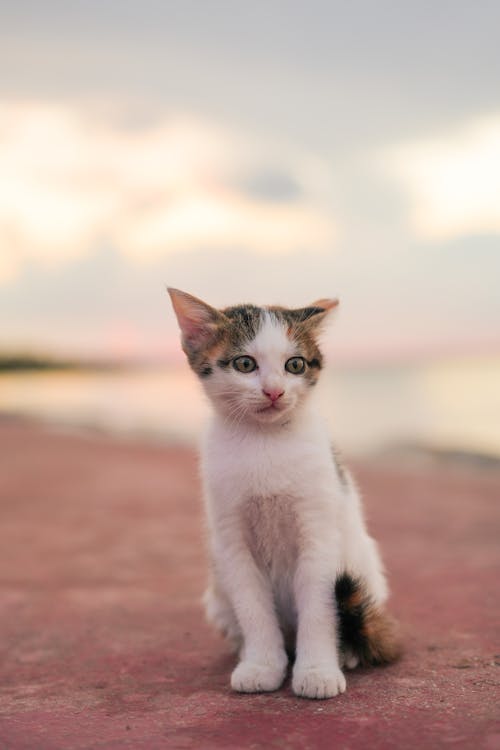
(349, 659)
(249, 677)
(318, 682)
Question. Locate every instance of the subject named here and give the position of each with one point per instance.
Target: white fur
(277, 465)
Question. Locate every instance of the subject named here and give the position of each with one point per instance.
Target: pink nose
(274, 395)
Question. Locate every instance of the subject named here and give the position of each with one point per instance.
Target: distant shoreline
(32, 362)
(444, 413)
(19, 363)
(402, 453)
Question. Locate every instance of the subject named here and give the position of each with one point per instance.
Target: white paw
(349, 660)
(249, 677)
(318, 682)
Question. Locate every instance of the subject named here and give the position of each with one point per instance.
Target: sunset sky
(269, 152)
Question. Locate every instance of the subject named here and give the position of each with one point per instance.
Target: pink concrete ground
(103, 644)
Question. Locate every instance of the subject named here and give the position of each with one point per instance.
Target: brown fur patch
(383, 644)
(235, 326)
(201, 358)
(245, 323)
(241, 325)
(364, 627)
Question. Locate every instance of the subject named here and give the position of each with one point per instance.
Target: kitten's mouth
(271, 408)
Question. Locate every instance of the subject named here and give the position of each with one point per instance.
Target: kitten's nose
(274, 394)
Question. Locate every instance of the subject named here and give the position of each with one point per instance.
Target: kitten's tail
(364, 627)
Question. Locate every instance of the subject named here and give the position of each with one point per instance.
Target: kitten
(293, 568)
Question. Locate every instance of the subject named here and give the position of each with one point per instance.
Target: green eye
(244, 364)
(295, 365)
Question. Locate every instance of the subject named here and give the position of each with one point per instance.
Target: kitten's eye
(244, 363)
(295, 365)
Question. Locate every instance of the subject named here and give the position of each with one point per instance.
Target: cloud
(272, 185)
(453, 180)
(69, 182)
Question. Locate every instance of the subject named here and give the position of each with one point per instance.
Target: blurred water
(451, 405)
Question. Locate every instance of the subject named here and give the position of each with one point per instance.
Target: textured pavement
(102, 638)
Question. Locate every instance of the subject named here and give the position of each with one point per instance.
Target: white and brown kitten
(293, 567)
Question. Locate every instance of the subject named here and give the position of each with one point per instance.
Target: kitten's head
(256, 363)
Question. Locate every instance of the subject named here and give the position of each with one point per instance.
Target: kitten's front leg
(263, 659)
(317, 672)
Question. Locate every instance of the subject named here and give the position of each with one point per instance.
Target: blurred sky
(267, 151)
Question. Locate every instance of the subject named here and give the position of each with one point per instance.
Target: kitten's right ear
(197, 320)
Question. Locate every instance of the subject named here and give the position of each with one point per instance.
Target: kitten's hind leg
(348, 659)
(221, 615)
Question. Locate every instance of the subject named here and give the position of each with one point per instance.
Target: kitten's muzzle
(273, 394)
(274, 404)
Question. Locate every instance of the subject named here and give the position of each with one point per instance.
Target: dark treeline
(34, 362)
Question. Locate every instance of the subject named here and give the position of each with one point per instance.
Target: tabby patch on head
(255, 363)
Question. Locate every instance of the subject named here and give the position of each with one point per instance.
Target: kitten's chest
(271, 529)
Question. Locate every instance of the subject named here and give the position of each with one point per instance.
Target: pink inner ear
(194, 317)
(193, 323)
(196, 331)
